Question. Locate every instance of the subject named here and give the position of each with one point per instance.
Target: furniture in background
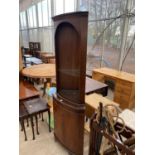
(124, 144)
(95, 86)
(42, 71)
(124, 91)
(68, 103)
(47, 71)
(48, 57)
(35, 107)
(34, 61)
(92, 103)
(26, 92)
(34, 49)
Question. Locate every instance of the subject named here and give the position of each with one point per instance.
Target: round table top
(40, 71)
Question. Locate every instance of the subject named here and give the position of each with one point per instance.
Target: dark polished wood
(69, 105)
(95, 86)
(34, 107)
(27, 91)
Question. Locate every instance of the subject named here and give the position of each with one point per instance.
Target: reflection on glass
(40, 15)
(45, 13)
(59, 7)
(69, 5)
(34, 16)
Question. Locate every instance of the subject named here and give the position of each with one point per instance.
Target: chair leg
(23, 126)
(32, 125)
(37, 124)
(49, 118)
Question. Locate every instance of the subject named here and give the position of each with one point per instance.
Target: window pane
(69, 5)
(45, 13)
(59, 7)
(40, 15)
(49, 12)
(23, 20)
(30, 17)
(34, 16)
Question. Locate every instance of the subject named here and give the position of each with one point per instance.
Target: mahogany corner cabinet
(68, 103)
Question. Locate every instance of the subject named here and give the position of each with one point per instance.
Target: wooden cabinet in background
(124, 91)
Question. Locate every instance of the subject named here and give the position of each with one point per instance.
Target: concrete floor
(44, 144)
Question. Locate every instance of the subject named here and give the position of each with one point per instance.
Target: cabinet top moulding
(70, 15)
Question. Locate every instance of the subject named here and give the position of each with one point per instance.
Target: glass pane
(23, 20)
(45, 13)
(58, 7)
(129, 57)
(40, 15)
(49, 12)
(30, 17)
(83, 5)
(34, 16)
(25, 38)
(69, 5)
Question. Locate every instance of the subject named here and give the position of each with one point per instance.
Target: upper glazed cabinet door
(70, 55)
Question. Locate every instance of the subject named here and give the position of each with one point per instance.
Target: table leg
(32, 125)
(23, 127)
(48, 80)
(37, 124)
(49, 118)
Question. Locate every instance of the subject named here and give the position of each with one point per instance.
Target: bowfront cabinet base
(69, 125)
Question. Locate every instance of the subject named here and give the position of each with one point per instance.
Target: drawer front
(122, 99)
(125, 83)
(98, 76)
(123, 90)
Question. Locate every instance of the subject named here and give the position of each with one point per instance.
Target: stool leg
(27, 122)
(32, 125)
(49, 118)
(23, 126)
(37, 124)
(42, 117)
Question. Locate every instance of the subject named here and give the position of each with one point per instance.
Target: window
(32, 16)
(44, 13)
(40, 15)
(23, 20)
(69, 5)
(64, 6)
(59, 7)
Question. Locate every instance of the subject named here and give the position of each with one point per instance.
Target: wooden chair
(97, 132)
(35, 107)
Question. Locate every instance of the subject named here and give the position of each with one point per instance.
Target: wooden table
(48, 71)
(95, 86)
(124, 91)
(40, 71)
(27, 91)
(47, 56)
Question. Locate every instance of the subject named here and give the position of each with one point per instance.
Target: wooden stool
(23, 114)
(34, 107)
